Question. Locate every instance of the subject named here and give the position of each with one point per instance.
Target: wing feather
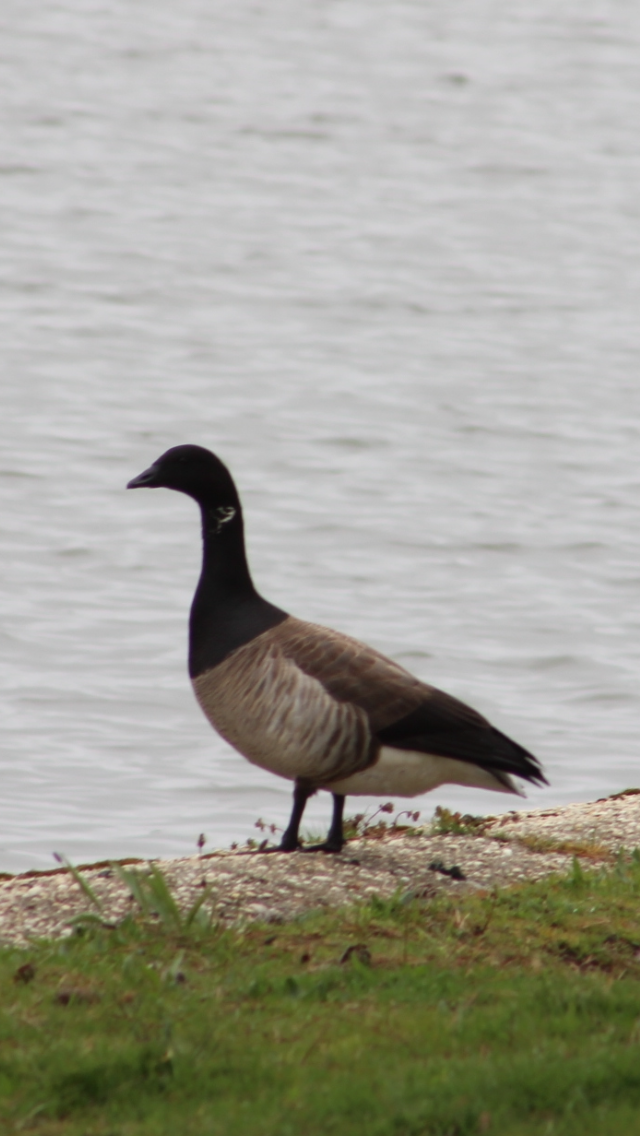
(402, 711)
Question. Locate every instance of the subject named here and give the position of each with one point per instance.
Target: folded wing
(402, 711)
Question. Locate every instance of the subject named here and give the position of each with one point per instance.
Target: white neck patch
(223, 515)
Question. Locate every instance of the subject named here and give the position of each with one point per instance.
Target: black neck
(227, 611)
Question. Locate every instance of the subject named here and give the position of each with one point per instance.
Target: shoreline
(245, 885)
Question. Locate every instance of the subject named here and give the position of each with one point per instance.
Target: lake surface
(384, 258)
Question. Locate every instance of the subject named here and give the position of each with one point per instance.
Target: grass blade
(163, 900)
(133, 881)
(196, 907)
(81, 882)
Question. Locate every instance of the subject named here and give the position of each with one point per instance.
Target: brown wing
(402, 711)
(350, 671)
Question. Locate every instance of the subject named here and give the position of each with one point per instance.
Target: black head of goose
(306, 702)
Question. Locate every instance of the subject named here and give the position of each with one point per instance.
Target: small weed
(153, 896)
(446, 822)
(371, 826)
(264, 826)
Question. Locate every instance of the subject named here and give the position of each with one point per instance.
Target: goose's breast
(282, 719)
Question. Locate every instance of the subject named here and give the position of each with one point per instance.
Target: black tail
(445, 727)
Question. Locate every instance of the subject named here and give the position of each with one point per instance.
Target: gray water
(383, 258)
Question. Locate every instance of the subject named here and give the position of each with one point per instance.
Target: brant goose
(308, 703)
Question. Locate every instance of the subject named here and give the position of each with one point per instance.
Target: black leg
(290, 840)
(335, 839)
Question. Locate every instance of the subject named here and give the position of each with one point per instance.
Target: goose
(308, 703)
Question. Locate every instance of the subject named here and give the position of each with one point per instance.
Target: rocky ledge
(454, 852)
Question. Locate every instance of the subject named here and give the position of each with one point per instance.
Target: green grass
(515, 1012)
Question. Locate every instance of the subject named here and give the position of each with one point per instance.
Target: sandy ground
(245, 885)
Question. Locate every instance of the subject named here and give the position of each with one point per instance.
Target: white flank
(405, 773)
